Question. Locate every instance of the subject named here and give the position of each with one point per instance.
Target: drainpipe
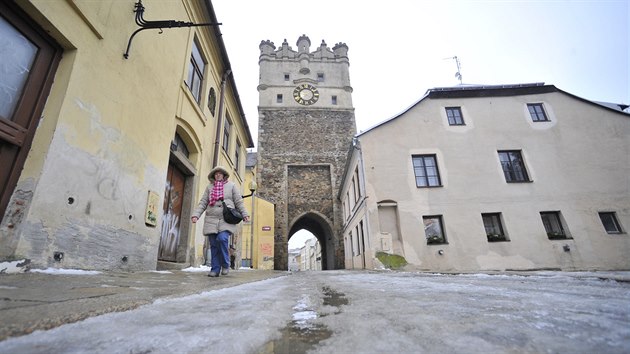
(217, 141)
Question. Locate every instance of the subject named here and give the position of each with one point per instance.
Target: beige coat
(213, 221)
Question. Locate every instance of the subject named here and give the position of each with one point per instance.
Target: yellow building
(258, 232)
(107, 140)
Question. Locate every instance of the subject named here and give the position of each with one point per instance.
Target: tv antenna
(458, 74)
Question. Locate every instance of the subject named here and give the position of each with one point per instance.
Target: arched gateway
(306, 125)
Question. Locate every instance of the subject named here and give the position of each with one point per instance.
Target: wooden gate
(173, 197)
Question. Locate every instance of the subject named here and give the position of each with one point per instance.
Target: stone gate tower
(306, 125)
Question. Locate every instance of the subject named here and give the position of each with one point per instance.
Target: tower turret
(304, 44)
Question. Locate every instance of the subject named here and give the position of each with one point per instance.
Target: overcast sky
(398, 49)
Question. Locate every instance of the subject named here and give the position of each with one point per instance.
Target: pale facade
(515, 177)
(123, 148)
(257, 243)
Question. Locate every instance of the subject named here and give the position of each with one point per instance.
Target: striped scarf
(217, 191)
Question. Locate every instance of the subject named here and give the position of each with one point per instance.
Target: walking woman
(214, 226)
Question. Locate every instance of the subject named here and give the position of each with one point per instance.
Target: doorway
(174, 235)
(172, 211)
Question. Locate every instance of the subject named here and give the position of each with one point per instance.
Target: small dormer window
(537, 112)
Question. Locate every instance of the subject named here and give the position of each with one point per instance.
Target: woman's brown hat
(218, 169)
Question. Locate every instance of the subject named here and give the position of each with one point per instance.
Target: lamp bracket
(145, 25)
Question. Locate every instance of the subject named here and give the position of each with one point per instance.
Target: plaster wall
(577, 163)
(104, 138)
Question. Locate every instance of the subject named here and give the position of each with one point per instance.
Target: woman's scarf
(217, 191)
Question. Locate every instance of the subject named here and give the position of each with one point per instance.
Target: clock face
(306, 94)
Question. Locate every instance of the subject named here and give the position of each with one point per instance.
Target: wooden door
(172, 211)
(29, 59)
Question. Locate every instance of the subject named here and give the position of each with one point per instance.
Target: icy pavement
(365, 312)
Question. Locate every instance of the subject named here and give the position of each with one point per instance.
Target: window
(320, 77)
(356, 232)
(609, 219)
(426, 171)
(537, 112)
(494, 227)
(226, 134)
(195, 72)
(433, 229)
(286, 77)
(279, 98)
(334, 100)
(28, 63)
(355, 182)
(178, 145)
(454, 115)
(513, 166)
(237, 156)
(212, 101)
(553, 225)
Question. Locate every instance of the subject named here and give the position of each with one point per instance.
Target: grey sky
(399, 48)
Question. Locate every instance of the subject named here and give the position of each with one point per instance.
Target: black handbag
(231, 215)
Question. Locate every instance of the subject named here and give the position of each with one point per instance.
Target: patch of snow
(58, 271)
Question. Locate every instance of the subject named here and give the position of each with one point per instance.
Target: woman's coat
(213, 222)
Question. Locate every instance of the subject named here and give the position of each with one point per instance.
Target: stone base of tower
(302, 157)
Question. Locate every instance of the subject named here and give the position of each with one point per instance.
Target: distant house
(504, 177)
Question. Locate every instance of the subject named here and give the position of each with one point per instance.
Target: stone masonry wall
(302, 154)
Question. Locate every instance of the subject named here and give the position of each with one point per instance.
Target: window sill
(498, 240)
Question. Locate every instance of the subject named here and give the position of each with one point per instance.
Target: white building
(492, 178)
(311, 255)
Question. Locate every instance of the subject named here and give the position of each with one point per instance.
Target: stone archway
(318, 226)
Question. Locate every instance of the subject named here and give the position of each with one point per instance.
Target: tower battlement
(268, 51)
